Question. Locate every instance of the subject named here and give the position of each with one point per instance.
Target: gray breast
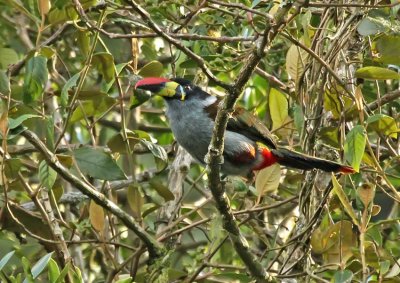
(191, 127)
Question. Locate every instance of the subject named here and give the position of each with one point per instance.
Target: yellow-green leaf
(152, 69)
(135, 200)
(337, 188)
(278, 106)
(267, 180)
(296, 60)
(383, 124)
(376, 73)
(354, 146)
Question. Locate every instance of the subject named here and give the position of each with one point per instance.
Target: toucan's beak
(159, 86)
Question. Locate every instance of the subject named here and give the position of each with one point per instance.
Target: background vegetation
(93, 188)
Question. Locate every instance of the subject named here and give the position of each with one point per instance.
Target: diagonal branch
(154, 247)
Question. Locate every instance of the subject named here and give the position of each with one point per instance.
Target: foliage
(86, 191)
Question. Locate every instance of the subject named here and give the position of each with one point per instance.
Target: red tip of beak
(151, 81)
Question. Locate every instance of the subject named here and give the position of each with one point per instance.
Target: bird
(248, 145)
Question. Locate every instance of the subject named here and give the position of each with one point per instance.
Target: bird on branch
(248, 144)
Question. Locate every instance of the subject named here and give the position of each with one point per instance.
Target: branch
(388, 97)
(152, 245)
(215, 154)
(198, 59)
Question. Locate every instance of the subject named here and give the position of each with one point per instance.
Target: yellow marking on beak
(169, 89)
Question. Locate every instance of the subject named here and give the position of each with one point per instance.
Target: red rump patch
(268, 159)
(151, 81)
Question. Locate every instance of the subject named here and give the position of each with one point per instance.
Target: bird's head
(168, 88)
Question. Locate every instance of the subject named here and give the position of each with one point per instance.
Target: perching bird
(248, 143)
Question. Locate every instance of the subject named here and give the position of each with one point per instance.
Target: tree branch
(215, 153)
(154, 248)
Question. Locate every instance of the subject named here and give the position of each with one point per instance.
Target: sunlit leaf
(383, 124)
(5, 259)
(354, 146)
(267, 180)
(98, 164)
(278, 107)
(39, 267)
(296, 60)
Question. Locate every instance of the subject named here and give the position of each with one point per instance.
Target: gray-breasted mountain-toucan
(248, 144)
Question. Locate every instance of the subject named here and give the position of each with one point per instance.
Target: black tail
(305, 162)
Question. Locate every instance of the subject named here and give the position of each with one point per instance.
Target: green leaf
(5, 259)
(330, 135)
(83, 41)
(4, 83)
(383, 124)
(26, 264)
(377, 21)
(267, 180)
(39, 266)
(104, 63)
(94, 106)
(343, 276)
(12, 167)
(388, 47)
(162, 190)
(159, 154)
(35, 78)
(47, 175)
(354, 146)
(152, 69)
(68, 85)
(278, 107)
(13, 123)
(334, 100)
(98, 164)
(64, 272)
(135, 200)
(7, 57)
(50, 133)
(138, 98)
(53, 270)
(376, 73)
(298, 117)
(337, 188)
